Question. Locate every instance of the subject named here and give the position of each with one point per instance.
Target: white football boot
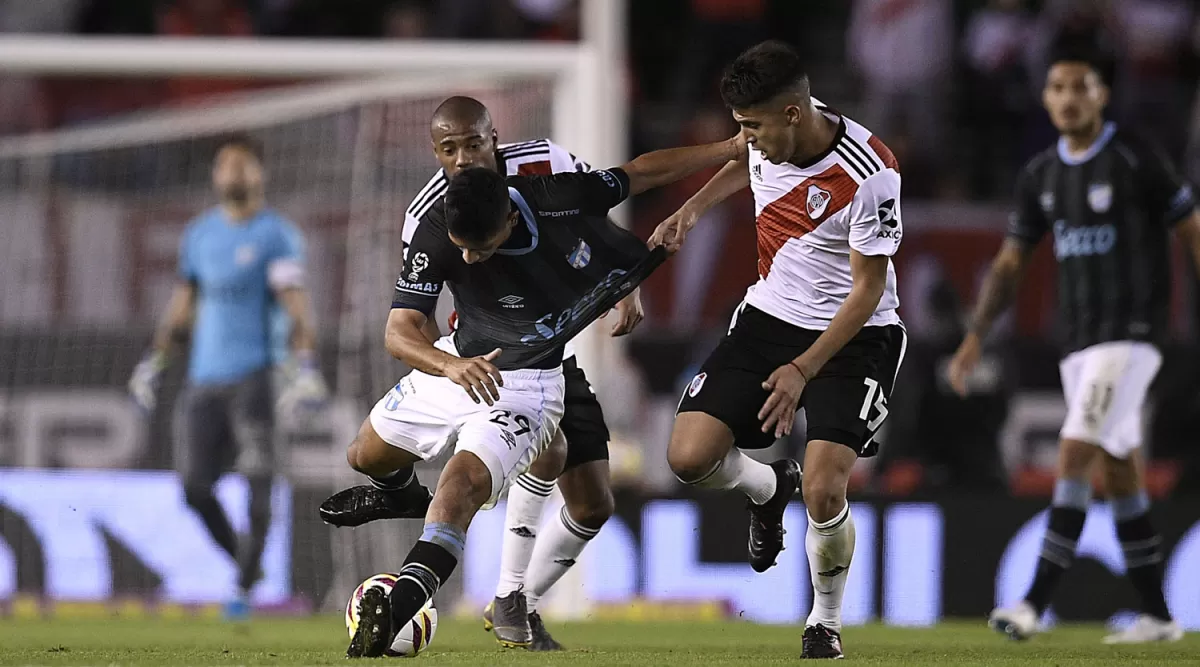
(1019, 621)
(1147, 629)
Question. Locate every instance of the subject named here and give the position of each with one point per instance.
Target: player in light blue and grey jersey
(241, 272)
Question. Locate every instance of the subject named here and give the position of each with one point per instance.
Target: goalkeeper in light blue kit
(241, 273)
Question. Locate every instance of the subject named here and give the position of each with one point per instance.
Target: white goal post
(92, 189)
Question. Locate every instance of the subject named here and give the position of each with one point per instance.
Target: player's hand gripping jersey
(810, 217)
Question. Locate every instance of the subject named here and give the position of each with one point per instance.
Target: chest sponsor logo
(818, 201)
(581, 256)
(245, 255)
(1100, 196)
(1084, 241)
(551, 324)
(419, 263)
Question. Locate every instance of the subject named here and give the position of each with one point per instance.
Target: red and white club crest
(697, 383)
(818, 200)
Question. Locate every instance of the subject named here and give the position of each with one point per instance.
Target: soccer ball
(414, 637)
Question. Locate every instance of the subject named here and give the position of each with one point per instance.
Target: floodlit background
(108, 109)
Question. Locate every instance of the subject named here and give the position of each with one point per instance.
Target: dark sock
(429, 564)
(251, 550)
(1143, 553)
(205, 504)
(1067, 514)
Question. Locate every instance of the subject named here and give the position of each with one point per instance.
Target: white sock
(526, 498)
(738, 471)
(556, 551)
(830, 546)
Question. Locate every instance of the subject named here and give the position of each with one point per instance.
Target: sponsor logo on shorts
(697, 384)
(509, 439)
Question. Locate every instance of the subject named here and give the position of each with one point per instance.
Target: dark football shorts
(582, 423)
(845, 403)
(225, 427)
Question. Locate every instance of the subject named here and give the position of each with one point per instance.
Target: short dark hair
(762, 72)
(242, 141)
(477, 205)
(1066, 50)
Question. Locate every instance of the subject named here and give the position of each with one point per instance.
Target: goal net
(88, 246)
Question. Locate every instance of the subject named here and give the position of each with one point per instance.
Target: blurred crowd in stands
(953, 86)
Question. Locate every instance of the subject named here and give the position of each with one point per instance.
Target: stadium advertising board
(96, 535)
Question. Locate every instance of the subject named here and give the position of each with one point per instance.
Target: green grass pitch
(322, 640)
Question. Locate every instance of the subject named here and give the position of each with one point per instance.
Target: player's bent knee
(595, 512)
(823, 498)
(550, 463)
(699, 442)
(1075, 458)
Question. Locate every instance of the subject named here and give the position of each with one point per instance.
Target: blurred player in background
(530, 563)
(818, 330)
(1111, 201)
(241, 269)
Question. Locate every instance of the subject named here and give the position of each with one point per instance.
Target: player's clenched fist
(477, 375)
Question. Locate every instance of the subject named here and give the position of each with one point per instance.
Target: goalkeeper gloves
(305, 392)
(143, 385)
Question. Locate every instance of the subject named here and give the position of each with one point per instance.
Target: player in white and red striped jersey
(533, 556)
(819, 329)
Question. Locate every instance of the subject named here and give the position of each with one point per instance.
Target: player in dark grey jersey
(495, 389)
(1111, 203)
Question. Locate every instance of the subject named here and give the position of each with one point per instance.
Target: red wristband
(798, 369)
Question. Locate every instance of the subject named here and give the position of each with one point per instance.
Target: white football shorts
(424, 414)
(1105, 387)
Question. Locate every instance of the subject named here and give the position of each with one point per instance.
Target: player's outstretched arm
(998, 292)
(733, 177)
(659, 168)
(406, 341)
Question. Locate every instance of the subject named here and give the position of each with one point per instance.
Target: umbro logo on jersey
(512, 301)
(756, 171)
(818, 201)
